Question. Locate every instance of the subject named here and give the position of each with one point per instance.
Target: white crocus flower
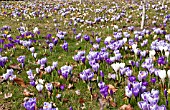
(134, 46)
(162, 75)
(152, 53)
(122, 65)
(115, 66)
(161, 48)
(167, 55)
(35, 29)
(39, 87)
(168, 73)
(108, 39)
(136, 52)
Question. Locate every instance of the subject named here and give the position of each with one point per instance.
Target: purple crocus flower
(51, 45)
(132, 78)
(30, 104)
(48, 69)
(153, 80)
(49, 86)
(98, 40)
(21, 59)
(66, 70)
(161, 60)
(142, 75)
(104, 91)
(62, 87)
(65, 46)
(87, 75)
(86, 37)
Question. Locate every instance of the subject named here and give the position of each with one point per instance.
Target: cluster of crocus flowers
(66, 70)
(9, 75)
(30, 104)
(87, 75)
(80, 57)
(150, 101)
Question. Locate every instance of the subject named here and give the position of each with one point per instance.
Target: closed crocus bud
(168, 73)
(165, 93)
(55, 64)
(152, 53)
(37, 70)
(167, 54)
(39, 87)
(32, 49)
(162, 75)
(101, 73)
(128, 92)
(135, 91)
(34, 55)
(153, 80)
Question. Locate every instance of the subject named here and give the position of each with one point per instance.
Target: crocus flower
(86, 37)
(65, 46)
(49, 86)
(161, 60)
(66, 70)
(30, 104)
(162, 75)
(21, 59)
(48, 69)
(142, 75)
(87, 75)
(32, 49)
(48, 106)
(51, 45)
(128, 92)
(104, 91)
(39, 87)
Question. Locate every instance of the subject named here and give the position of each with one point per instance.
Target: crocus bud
(168, 73)
(162, 75)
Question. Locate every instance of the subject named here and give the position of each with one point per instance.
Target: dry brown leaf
(74, 79)
(1, 79)
(8, 95)
(111, 87)
(20, 82)
(126, 107)
(70, 86)
(95, 96)
(15, 67)
(56, 84)
(65, 100)
(27, 93)
(81, 100)
(113, 104)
